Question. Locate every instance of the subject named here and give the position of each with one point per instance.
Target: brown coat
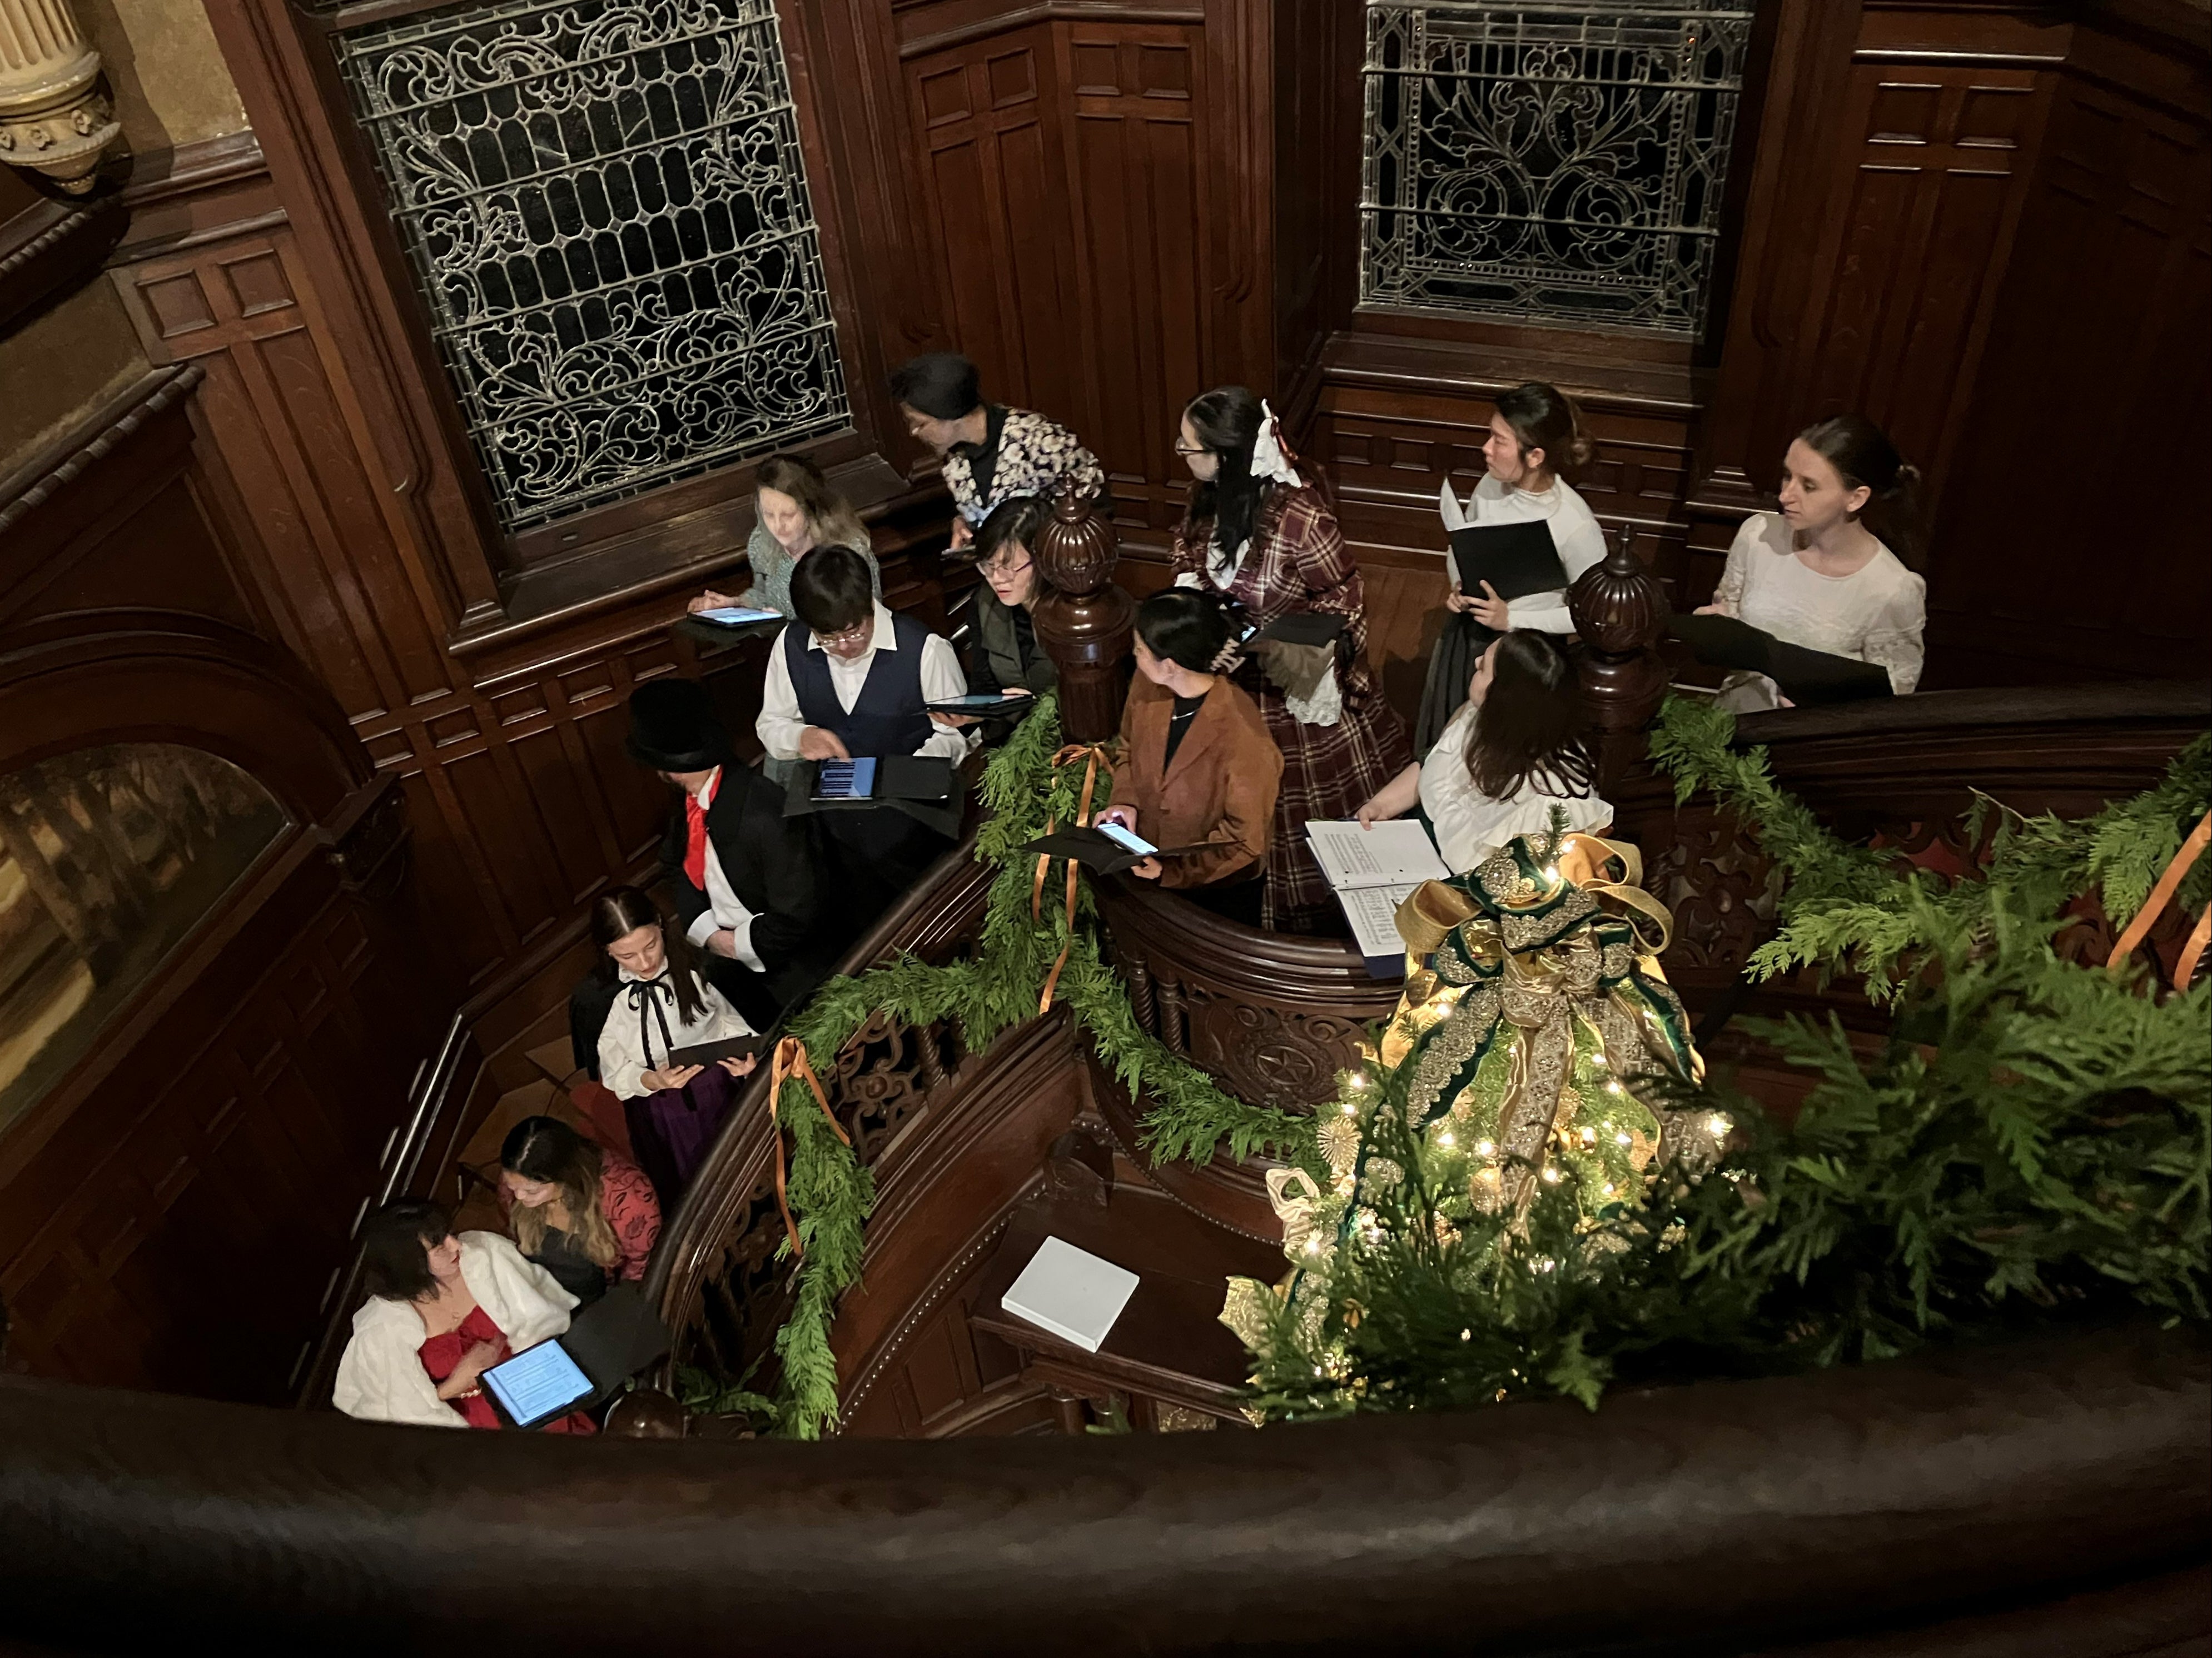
(1221, 788)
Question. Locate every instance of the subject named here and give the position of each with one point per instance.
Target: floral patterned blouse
(1023, 454)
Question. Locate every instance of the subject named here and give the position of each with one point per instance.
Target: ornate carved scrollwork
(55, 117)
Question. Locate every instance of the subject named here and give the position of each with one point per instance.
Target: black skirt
(1451, 665)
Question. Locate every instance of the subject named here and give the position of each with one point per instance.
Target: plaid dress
(1297, 561)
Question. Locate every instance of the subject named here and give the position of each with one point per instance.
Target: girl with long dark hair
(1257, 530)
(1511, 756)
(584, 1213)
(662, 1004)
(1821, 573)
(1535, 443)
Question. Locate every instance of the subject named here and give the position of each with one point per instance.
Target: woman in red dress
(1260, 533)
(441, 1310)
(585, 1214)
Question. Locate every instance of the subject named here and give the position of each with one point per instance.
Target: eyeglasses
(1000, 570)
(1192, 449)
(856, 634)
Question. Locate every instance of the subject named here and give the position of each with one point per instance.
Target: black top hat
(673, 727)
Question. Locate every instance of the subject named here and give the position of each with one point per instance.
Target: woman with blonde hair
(584, 1214)
(795, 510)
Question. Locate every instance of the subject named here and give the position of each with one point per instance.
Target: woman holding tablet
(794, 512)
(1006, 656)
(441, 1310)
(1198, 764)
(662, 1004)
(1511, 756)
(1535, 438)
(1816, 573)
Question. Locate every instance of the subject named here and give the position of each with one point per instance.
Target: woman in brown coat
(1198, 765)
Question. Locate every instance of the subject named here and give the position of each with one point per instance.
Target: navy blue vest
(888, 716)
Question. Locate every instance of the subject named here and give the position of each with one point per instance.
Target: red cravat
(695, 837)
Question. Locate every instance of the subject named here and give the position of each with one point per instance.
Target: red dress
(441, 1355)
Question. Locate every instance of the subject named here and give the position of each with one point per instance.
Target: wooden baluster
(927, 1060)
(1140, 994)
(1171, 1017)
(1084, 618)
(1620, 610)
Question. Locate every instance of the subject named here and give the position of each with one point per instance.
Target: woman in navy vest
(849, 679)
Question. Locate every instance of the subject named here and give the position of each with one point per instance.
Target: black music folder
(1806, 677)
(1303, 628)
(730, 1048)
(1101, 853)
(1516, 560)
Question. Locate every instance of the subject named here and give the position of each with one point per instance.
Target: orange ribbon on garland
(2160, 895)
(791, 1061)
(1092, 755)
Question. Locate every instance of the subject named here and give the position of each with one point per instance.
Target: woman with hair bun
(1535, 442)
(1259, 533)
(1816, 573)
(1511, 756)
(1198, 763)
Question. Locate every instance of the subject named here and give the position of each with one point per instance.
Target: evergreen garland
(1847, 906)
(830, 1192)
(2033, 1142)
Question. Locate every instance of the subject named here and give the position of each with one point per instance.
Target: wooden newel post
(1083, 617)
(1619, 609)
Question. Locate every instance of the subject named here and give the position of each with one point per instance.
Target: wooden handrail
(724, 1208)
(1959, 1494)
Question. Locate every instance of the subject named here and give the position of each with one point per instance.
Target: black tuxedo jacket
(776, 870)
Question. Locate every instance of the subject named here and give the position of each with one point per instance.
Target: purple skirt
(672, 1130)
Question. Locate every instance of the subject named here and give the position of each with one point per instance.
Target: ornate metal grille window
(1557, 163)
(605, 208)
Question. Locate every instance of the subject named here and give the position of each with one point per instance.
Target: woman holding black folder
(1536, 437)
(1816, 575)
(1259, 531)
(673, 1109)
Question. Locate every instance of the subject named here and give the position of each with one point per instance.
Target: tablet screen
(537, 1384)
(736, 615)
(1128, 839)
(846, 780)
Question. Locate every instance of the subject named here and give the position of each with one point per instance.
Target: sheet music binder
(1807, 677)
(1515, 559)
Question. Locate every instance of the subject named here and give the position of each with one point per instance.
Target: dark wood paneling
(172, 1210)
(2048, 567)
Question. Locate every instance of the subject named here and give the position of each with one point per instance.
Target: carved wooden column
(1084, 618)
(54, 117)
(1619, 609)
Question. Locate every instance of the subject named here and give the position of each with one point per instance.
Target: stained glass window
(606, 210)
(1559, 164)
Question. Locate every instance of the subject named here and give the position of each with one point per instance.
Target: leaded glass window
(605, 208)
(1553, 163)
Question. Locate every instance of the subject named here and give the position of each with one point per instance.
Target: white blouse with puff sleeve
(647, 1023)
(380, 1376)
(1877, 614)
(1576, 533)
(1470, 826)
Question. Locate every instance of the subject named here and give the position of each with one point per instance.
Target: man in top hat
(746, 880)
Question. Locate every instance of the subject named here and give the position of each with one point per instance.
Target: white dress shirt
(1575, 533)
(780, 724)
(724, 907)
(623, 1039)
(1877, 614)
(1472, 826)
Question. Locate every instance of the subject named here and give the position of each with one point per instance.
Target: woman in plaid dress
(1257, 532)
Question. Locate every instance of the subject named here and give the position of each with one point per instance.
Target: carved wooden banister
(1084, 617)
(1620, 610)
(1272, 1016)
(2050, 1492)
(714, 1274)
(1906, 771)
